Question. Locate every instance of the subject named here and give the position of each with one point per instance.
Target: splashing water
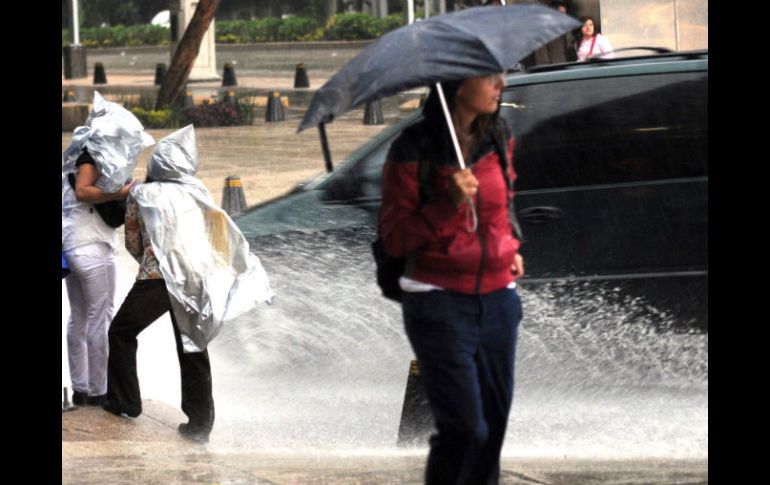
(598, 375)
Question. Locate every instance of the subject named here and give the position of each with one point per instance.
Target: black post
(300, 77)
(274, 111)
(229, 97)
(100, 77)
(228, 77)
(416, 420)
(160, 73)
(373, 113)
(233, 198)
(325, 147)
(186, 100)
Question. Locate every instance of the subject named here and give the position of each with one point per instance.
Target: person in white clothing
(89, 243)
(592, 43)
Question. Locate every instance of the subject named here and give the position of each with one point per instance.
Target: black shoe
(194, 434)
(111, 408)
(79, 398)
(95, 400)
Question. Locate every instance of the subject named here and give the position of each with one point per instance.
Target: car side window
(609, 130)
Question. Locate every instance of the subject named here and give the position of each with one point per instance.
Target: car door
(613, 177)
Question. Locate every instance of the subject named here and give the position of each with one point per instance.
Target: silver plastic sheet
(210, 273)
(114, 138)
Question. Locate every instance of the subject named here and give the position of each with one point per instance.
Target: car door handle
(540, 215)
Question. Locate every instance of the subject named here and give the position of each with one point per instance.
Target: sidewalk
(245, 82)
(98, 448)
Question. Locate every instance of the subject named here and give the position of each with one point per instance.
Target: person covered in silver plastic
(96, 168)
(193, 263)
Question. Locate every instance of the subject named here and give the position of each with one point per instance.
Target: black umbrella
(457, 45)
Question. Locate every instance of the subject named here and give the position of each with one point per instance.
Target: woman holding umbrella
(460, 306)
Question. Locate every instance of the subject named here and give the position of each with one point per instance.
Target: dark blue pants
(466, 348)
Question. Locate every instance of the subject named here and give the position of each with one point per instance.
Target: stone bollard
(416, 420)
(100, 77)
(160, 73)
(300, 77)
(228, 76)
(186, 100)
(373, 113)
(69, 97)
(229, 97)
(233, 200)
(274, 110)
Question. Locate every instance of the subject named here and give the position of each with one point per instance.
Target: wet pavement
(98, 448)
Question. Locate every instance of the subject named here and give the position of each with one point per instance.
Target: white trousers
(91, 293)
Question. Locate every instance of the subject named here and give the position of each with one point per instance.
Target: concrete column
(205, 65)
(331, 7)
(409, 11)
(674, 24)
(74, 55)
(382, 8)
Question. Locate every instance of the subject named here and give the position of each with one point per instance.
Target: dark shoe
(95, 400)
(111, 408)
(79, 398)
(194, 434)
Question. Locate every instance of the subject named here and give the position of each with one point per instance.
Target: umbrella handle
(471, 211)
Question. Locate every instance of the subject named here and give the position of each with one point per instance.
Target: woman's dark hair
(435, 114)
(582, 22)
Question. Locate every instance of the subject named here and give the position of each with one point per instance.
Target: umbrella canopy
(457, 45)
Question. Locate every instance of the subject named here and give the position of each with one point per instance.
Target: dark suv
(612, 189)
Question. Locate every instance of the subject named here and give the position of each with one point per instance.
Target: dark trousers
(466, 348)
(147, 301)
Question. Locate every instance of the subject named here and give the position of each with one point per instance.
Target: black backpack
(389, 268)
(112, 212)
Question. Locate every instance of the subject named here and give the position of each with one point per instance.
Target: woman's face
(588, 28)
(480, 95)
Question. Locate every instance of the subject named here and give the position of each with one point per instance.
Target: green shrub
(294, 28)
(354, 26)
(266, 29)
(316, 35)
(245, 103)
(392, 22)
(163, 118)
(120, 35)
(147, 34)
(236, 31)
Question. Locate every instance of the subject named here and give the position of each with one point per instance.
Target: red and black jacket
(423, 225)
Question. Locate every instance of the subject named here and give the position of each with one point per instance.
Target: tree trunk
(186, 52)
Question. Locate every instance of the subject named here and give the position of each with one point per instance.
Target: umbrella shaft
(451, 126)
